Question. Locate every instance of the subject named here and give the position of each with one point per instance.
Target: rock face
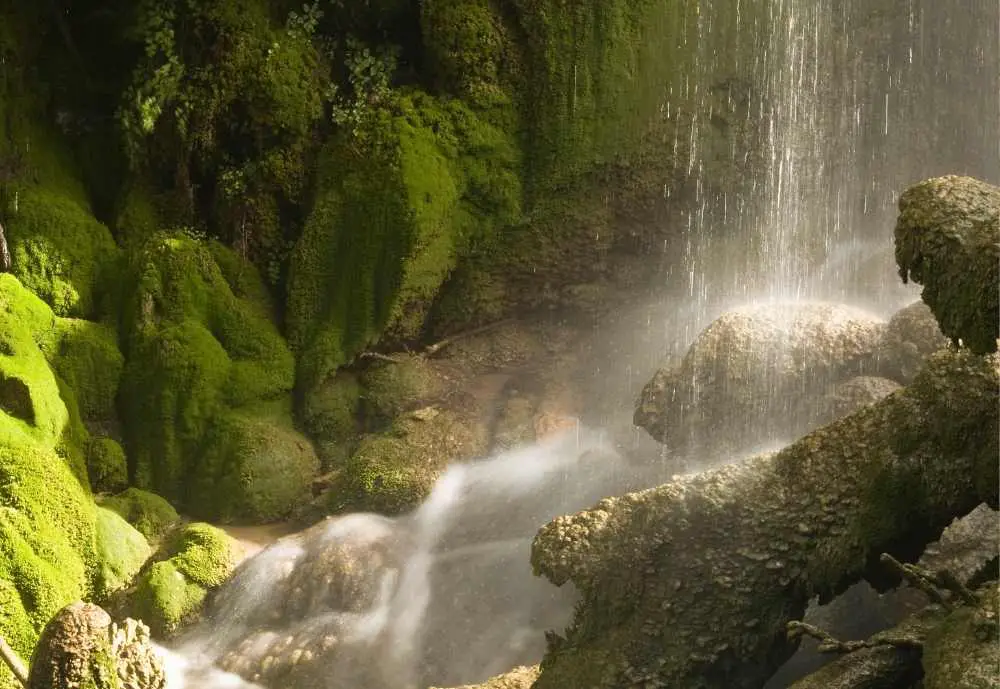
(948, 240)
(80, 647)
(691, 584)
(518, 678)
(759, 375)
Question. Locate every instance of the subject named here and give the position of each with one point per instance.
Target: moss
(204, 554)
(197, 353)
(392, 218)
(151, 515)
(106, 465)
(58, 250)
(254, 466)
(394, 471)
(962, 652)
(121, 553)
(164, 599)
(330, 410)
(170, 593)
(394, 387)
(87, 358)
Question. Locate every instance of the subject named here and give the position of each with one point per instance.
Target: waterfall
(797, 124)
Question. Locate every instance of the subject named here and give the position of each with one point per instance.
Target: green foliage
(394, 212)
(330, 410)
(58, 250)
(106, 465)
(170, 593)
(87, 358)
(151, 515)
(121, 553)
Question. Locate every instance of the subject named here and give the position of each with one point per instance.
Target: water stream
(800, 121)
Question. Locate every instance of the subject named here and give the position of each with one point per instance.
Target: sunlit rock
(758, 375)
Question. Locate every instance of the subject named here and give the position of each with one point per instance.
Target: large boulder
(911, 336)
(757, 376)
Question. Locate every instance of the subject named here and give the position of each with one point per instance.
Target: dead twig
(12, 660)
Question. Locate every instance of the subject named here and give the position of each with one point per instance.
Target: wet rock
(948, 240)
(911, 336)
(80, 647)
(758, 375)
(518, 678)
(859, 392)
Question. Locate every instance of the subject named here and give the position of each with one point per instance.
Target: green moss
(196, 352)
(164, 599)
(58, 250)
(106, 465)
(170, 593)
(394, 387)
(390, 221)
(121, 553)
(204, 554)
(254, 467)
(87, 358)
(330, 410)
(151, 515)
(394, 471)
(46, 540)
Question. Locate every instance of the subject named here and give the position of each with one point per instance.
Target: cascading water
(797, 123)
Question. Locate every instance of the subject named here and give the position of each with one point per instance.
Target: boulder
(911, 336)
(81, 647)
(758, 375)
(519, 678)
(948, 240)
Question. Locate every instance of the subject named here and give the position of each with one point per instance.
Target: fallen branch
(430, 350)
(13, 661)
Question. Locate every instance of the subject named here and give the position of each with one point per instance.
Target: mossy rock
(393, 472)
(121, 553)
(392, 387)
(150, 514)
(255, 467)
(170, 593)
(389, 224)
(87, 358)
(47, 536)
(196, 353)
(59, 251)
(330, 410)
(106, 465)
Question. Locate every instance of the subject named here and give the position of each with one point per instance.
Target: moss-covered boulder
(151, 515)
(205, 368)
(86, 356)
(390, 220)
(394, 471)
(170, 593)
(392, 387)
(330, 410)
(911, 336)
(121, 553)
(59, 251)
(107, 467)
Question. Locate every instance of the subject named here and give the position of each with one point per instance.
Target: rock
(151, 515)
(948, 240)
(911, 336)
(692, 583)
(121, 553)
(518, 678)
(858, 392)
(81, 648)
(756, 376)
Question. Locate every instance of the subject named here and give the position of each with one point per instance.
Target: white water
(832, 109)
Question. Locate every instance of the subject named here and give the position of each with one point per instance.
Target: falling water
(796, 123)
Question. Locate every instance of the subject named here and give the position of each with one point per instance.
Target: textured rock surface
(518, 678)
(691, 584)
(80, 648)
(912, 335)
(758, 375)
(948, 240)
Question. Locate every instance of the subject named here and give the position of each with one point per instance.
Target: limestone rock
(948, 240)
(518, 678)
(912, 335)
(858, 392)
(758, 375)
